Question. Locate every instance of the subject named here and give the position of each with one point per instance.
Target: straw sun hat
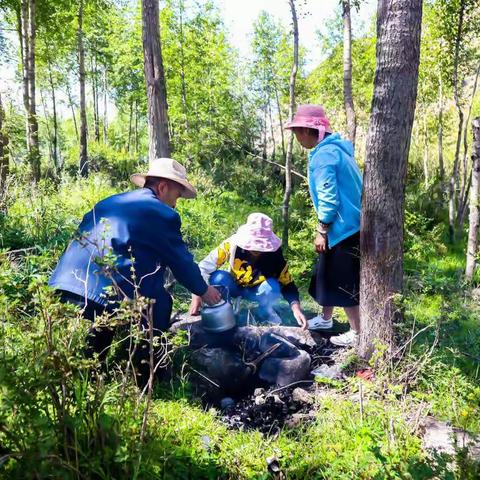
(166, 168)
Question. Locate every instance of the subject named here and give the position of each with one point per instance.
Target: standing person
(139, 231)
(257, 271)
(335, 184)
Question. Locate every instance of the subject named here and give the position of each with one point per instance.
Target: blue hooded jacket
(142, 236)
(335, 184)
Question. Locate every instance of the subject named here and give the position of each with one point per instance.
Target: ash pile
(268, 411)
(258, 376)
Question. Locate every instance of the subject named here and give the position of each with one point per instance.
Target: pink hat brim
(297, 124)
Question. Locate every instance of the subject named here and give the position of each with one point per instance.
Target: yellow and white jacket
(249, 271)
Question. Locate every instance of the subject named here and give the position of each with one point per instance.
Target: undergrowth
(56, 422)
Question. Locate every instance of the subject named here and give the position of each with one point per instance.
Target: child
(258, 271)
(335, 184)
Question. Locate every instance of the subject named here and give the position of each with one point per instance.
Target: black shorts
(336, 276)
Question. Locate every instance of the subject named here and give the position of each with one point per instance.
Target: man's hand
(211, 296)
(299, 315)
(195, 305)
(321, 243)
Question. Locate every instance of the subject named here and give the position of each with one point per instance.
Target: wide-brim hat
(257, 234)
(311, 116)
(169, 169)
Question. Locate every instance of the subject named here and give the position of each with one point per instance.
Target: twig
(19, 250)
(264, 159)
(288, 386)
(205, 377)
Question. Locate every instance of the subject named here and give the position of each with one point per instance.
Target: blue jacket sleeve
(325, 181)
(176, 256)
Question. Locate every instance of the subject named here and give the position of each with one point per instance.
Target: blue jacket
(335, 184)
(143, 234)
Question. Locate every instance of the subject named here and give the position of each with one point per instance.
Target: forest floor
(57, 422)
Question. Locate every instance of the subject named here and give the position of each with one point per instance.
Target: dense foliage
(57, 420)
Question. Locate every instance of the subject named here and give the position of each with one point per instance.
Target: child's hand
(299, 315)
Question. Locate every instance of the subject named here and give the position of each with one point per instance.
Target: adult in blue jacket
(335, 184)
(139, 233)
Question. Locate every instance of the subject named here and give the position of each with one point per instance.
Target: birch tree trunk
(130, 118)
(388, 143)
(22, 27)
(182, 67)
(452, 187)
(474, 218)
(105, 119)
(33, 145)
(425, 151)
(159, 141)
(467, 172)
(72, 107)
(4, 163)
(280, 117)
(441, 165)
(291, 108)
(55, 120)
(96, 114)
(83, 109)
(347, 72)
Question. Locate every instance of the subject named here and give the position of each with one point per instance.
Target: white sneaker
(319, 323)
(348, 339)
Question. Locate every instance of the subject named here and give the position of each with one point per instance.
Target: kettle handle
(223, 289)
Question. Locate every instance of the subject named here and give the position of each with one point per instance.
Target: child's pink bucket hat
(257, 234)
(311, 116)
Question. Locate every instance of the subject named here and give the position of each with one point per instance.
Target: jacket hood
(335, 140)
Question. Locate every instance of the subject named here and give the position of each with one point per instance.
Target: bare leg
(353, 314)
(327, 312)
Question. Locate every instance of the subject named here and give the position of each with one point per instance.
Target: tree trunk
(130, 117)
(4, 166)
(467, 173)
(105, 120)
(280, 118)
(22, 28)
(182, 68)
(47, 126)
(72, 107)
(264, 149)
(388, 143)
(33, 145)
(452, 191)
(83, 110)
(272, 133)
(474, 218)
(425, 150)
(288, 159)
(347, 72)
(96, 115)
(55, 121)
(159, 141)
(136, 126)
(441, 165)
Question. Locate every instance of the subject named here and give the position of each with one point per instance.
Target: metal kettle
(219, 317)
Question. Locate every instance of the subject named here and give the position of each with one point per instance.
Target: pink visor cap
(311, 116)
(257, 234)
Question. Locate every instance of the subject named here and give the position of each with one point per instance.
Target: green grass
(97, 427)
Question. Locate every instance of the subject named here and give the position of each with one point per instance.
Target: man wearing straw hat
(140, 232)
